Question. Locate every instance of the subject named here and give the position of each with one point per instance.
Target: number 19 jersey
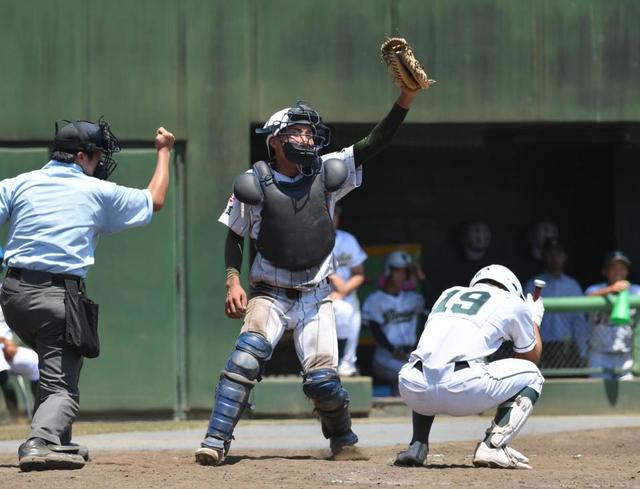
(470, 323)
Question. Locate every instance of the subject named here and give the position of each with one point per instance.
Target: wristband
(232, 272)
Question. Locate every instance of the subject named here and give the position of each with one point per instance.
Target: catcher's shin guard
(520, 410)
(232, 392)
(331, 401)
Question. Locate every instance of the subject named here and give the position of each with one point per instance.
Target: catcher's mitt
(403, 65)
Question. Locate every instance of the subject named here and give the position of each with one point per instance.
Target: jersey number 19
(468, 303)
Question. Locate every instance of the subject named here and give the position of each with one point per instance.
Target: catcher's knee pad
(232, 392)
(331, 400)
(249, 357)
(519, 410)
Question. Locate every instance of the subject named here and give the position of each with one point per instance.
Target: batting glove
(536, 308)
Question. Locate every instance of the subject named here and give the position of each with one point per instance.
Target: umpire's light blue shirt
(58, 213)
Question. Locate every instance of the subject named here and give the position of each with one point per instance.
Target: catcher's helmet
(300, 113)
(501, 276)
(89, 137)
(397, 259)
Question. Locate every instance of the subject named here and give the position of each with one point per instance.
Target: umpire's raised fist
(164, 139)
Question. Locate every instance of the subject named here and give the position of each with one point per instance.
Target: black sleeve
(233, 250)
(380, 135)
(379, 336)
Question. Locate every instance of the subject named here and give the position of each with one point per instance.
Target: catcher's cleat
(414, 456)
(339, 443)
(499, 458)
(209, 456)
(211, 451)
(35, 454)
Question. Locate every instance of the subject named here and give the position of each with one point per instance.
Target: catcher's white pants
(310, 316)
(470, 390)
(24, 362)
(348, 324)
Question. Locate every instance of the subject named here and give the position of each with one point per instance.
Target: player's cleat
(414, 456)
(211, 451)
(347, 371)
(499, 458)
(517, 455)
(341, 442)
(35, 454)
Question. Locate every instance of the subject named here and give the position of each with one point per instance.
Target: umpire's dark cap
(616, 255)
(78, 136)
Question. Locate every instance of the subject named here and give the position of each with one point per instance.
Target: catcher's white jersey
(397, 314)
(470, 323)
(348, 254)
(245, 220)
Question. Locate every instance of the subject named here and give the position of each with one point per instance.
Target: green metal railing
(583, 304)
(589, 304)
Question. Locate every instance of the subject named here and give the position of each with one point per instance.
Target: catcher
(286, 205)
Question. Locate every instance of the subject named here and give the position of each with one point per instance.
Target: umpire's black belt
(456, 366)
(42, 278)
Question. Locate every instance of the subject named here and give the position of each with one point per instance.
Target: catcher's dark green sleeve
(380, 135)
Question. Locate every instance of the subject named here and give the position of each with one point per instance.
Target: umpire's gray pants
(35, 311)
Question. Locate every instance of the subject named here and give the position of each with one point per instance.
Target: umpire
(56, 216)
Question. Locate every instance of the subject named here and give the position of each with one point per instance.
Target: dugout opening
(434, 178)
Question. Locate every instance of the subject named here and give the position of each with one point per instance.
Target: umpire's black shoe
(35, 454)
(72, 448)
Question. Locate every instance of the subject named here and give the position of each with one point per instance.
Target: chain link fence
(581, 344)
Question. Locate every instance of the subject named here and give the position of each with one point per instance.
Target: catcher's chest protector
(296, 231)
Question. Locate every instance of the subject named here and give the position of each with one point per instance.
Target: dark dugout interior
(435, 178)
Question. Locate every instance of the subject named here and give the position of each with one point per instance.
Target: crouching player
(446, 374)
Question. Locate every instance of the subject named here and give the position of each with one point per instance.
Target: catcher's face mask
(302, 133)
(89, 137)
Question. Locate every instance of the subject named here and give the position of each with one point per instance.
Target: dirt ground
(582, 459)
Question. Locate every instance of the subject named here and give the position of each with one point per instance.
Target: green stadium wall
(209, 69)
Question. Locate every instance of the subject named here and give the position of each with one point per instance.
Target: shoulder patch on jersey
(230, 203)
